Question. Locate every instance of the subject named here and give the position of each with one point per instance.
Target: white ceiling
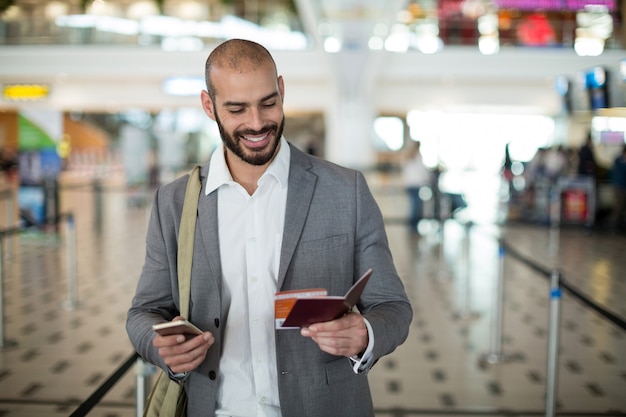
(112, 78)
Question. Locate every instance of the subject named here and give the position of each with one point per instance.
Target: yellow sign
(16, 92)
(64, 146)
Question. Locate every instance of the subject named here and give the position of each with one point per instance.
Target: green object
(32, 137)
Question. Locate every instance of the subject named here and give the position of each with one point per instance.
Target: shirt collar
(219, 174)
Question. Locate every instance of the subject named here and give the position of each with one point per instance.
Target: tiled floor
(64, 351)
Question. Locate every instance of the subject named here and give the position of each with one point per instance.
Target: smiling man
(270, 218)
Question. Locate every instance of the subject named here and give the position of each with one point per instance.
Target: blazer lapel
(207, 214)
(299, 195)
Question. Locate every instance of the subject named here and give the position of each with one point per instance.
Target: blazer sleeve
(384, 301)
(156, 296)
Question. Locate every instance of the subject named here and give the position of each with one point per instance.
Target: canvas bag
(168, 398)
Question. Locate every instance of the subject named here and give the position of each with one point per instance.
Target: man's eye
(235, 111)
(271, 104)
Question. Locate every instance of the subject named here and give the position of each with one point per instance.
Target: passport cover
(299, 308)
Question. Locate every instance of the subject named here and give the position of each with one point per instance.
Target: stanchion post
(555, 222)
(553, 343)
(497, 320)
(143, 374)
(70, 251)
(97, 203)
(555, 205)
(51, 204)
(442, 270)
(467, 263)
(4, 344)
(10, 212)
(465, 311)
(553, 243)
(1, 295)
(444, 208)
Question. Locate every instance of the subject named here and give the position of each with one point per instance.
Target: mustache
(263, 130)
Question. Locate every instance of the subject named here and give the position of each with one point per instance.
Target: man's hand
(345, 336)
(182, 353)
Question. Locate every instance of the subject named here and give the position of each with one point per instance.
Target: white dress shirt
(250, 237)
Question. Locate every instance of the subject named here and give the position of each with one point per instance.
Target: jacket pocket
(338, 370)
(325, 244)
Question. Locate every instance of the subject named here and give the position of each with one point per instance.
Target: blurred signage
(25, 92)
(572, 5)
(578, 204)
(575, 205)
(536, 30)
(612, 138)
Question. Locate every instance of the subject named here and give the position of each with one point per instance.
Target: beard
(256, 156)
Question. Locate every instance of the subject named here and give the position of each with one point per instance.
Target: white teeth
(255, 139)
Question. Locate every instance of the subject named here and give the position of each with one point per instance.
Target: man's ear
(207, 104)
(281, 87)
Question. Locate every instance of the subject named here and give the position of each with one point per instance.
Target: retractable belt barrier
(571, 290)
(557, 284)
(102, 390)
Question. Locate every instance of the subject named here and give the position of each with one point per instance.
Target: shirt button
(217, 322)
(212, 375)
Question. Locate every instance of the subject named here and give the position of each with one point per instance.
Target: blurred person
(415, 176)
(507, 176)
(9, 164)
(507, 165)
(535, 176)
(556, 163)
(270, 218)
(154, 171)
(618, 181)
(536, 168)
(587, 165)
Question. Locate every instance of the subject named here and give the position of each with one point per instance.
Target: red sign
(574, 205)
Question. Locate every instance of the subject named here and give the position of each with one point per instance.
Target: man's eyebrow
(270, 96)
(243, 104)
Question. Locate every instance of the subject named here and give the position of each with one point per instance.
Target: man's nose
(256, 119)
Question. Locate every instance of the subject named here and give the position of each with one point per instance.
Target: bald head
(236, 55)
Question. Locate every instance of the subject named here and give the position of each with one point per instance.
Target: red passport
(303, 307)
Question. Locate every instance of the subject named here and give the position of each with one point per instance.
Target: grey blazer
(333, 233)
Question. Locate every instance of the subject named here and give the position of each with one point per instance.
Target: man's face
(248, 111)
(258, 155)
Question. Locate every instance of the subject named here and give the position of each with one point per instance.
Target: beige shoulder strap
(186, 236)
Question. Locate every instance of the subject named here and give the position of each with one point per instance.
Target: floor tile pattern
(461, 356)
